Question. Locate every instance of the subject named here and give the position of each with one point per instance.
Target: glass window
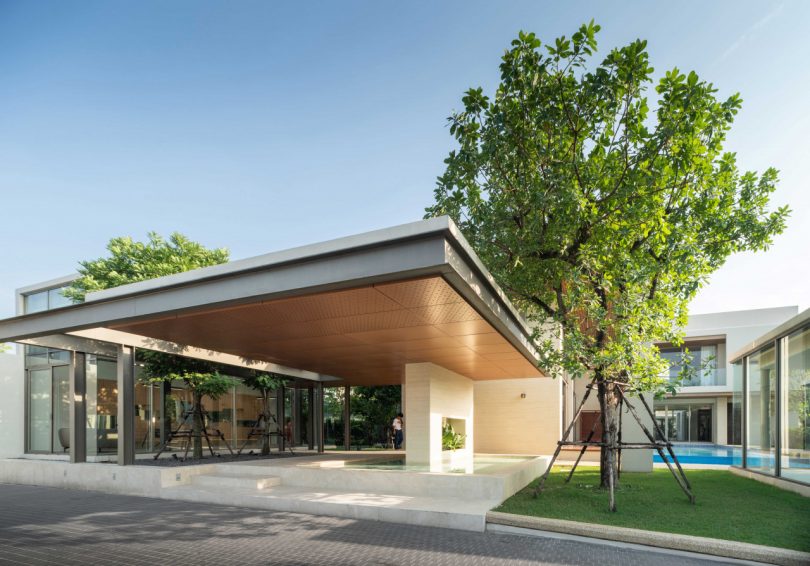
(761, 427)
(795, 457)
(36, 356)
(56, 299)
(36, 302)
(61, 408)
(102, 406)
(39, 410)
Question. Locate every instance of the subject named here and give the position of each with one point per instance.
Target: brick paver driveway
(41, 525)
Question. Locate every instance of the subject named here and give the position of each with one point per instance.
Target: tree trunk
(266, 431)
(609, 457)
(197, 427)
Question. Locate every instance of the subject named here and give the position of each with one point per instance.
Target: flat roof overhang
(356, 308)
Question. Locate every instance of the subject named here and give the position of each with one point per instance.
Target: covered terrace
(408, 305)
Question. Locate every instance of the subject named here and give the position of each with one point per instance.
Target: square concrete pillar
(434, 396)
(126, 405)
(78, 407)
(637, 460)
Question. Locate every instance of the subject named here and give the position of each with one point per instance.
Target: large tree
(599, 208)
(130, 261)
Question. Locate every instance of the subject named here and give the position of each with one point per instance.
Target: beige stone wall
(506, 423)
(432, 394)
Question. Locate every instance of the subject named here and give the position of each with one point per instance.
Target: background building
(701, 411)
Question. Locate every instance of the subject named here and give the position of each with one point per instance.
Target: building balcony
(706, 378)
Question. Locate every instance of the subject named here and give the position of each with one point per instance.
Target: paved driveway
(41, 525)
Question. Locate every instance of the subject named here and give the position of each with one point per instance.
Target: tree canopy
(130, 261)
(599, 206)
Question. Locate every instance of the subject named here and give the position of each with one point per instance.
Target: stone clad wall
(433, 393)
(506, 423)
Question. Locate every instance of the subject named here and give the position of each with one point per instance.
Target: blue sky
(259, 126)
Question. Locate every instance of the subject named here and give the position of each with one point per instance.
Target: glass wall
(772, 394)
(685, 423)
(795, 453)
(47, 400)
(160, 409)
(761, 401)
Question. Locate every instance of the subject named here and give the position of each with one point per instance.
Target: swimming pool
(705, 454)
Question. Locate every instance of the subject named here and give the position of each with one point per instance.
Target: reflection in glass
(35, 302)
(761, 427)
(61, 408)
(39, 410)
(56, 299)
(795, 457)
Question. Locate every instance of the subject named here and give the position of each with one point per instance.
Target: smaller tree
(202, 378)
(130, 261)
(265, 384)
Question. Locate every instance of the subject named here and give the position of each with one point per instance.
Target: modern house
(771, 393)
(409, 305)
(702, 411)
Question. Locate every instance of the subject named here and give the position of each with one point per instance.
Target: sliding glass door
(48, 409)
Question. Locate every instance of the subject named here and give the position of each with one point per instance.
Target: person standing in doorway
(397, 426)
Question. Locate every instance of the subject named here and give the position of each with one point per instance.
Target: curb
(687, 543)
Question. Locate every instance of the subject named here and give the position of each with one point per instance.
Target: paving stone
(49, 526)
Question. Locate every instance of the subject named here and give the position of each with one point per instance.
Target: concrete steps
(228, 481)
(429, 511)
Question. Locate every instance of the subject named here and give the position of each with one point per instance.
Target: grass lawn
(727, 506)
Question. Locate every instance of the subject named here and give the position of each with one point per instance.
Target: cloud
(759, 24)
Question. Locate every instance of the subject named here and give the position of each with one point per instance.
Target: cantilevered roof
(356, 308)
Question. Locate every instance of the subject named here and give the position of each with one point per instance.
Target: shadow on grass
(727, 506)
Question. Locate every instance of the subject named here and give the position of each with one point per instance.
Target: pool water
(705, 454)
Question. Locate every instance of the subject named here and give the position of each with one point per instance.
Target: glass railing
(705, 378)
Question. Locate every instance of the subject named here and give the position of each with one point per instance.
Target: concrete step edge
(266, 500)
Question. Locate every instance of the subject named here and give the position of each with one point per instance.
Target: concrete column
(311, 405)
(78, 407)
(347, 418)
(720, 419)
(282, 426)
(126, 405)
(637, 460)
(295, 411)
(319, 416)
(434, 396)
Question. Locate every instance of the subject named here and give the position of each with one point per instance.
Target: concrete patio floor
(50, 526)
(322, 484)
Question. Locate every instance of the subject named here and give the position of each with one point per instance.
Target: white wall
(506, 423)
(12, 404)
(739, 327)
(433, 393)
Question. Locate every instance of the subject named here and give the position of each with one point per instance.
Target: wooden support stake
(680, 481)
(582, 452)
(561, 443)
(668, 443)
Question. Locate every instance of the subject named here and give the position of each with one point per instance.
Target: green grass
(727, 506)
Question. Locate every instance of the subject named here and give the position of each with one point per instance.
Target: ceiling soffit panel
(364, 335)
